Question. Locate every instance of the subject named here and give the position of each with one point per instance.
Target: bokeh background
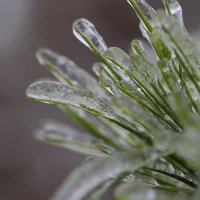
(30, 170)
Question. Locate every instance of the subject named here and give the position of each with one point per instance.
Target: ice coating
(65, 136)
(66, 71)
(68, 68)
(184, 42)
(100, 171)
(176, 10)
(147, 10)
(120, 60)
(163, 165)
(62, 131)
(145, 13)
(138, 191)
(131, 178)
(108, 85)
(137, 47)
(58, 93)
(100, 70)
(99, 122)
(85, 27)
(119, 56)
(55, 92)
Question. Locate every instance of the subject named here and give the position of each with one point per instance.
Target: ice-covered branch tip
(143, 120)
(174, 8)
(67, 71)
(85, 31)
(144, 11)
(58, 93)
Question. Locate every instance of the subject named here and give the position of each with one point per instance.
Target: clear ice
(82, 29)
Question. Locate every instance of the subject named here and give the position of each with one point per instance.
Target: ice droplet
(85, 31)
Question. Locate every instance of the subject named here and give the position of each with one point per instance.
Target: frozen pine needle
(139, 116)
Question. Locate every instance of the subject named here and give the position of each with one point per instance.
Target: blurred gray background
(30, 170)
